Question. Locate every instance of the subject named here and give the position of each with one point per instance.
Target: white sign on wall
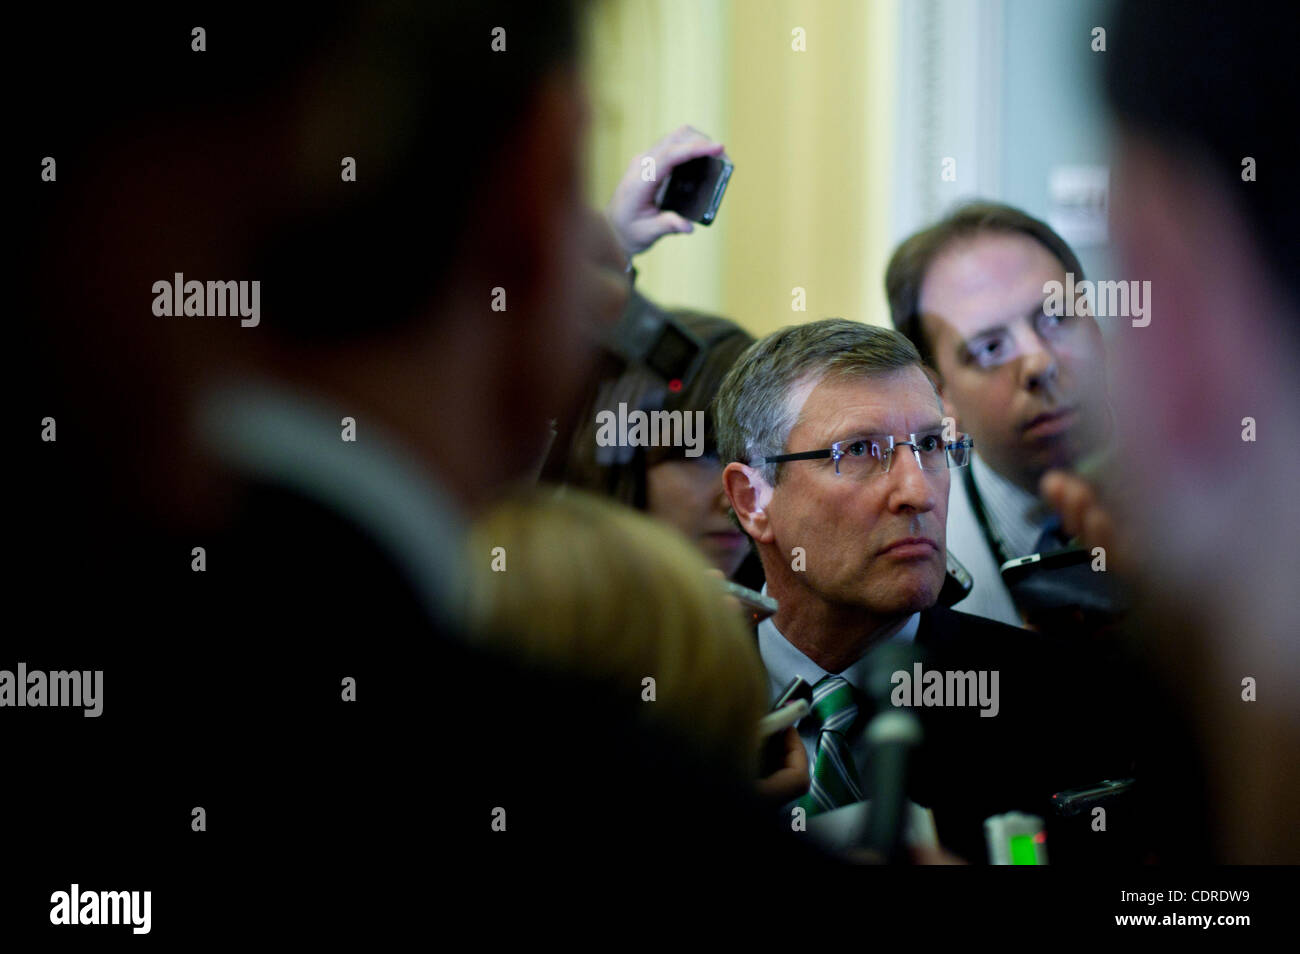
(1078, 202)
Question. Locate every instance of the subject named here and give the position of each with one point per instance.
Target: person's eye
(929, 443)
(856, 448)
(989, 351)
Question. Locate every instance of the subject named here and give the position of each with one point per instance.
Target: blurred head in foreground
(1205, 205)
(313, 157)
(598, 589)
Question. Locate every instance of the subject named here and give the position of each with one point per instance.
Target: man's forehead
(985, 281)
(899, 400)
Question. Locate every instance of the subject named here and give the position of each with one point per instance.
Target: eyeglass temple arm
(802, 455)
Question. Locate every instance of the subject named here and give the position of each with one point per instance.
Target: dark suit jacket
(1053, 731)
(222, 690)
(1057, 728)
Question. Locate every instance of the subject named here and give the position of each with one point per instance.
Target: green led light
(1022, 850)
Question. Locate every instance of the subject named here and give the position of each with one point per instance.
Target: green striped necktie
(837, 718)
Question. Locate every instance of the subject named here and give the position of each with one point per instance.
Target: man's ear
(749, 494)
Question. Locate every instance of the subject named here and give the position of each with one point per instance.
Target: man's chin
(1063, 451)
(909, 599)
(1048, 452)
(922, 601)
(1039, 462)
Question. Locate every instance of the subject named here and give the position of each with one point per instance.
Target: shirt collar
(295, 442)
(783, 660)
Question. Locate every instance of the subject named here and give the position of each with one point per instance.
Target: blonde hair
(607, 592)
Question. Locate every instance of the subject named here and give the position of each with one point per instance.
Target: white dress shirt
(1007, 507)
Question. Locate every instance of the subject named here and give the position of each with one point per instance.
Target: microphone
(891, 735)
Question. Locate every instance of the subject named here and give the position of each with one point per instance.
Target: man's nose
(1038, 365)
(913, 489)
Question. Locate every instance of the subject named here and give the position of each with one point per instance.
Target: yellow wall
(809, 133)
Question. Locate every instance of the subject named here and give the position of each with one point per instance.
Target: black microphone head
(883, 661)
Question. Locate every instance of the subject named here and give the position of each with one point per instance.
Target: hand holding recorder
(642, 210)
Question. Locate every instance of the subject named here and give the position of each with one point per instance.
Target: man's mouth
(1050, 424)
(910, 548)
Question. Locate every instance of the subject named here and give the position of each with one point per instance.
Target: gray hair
(753, 410)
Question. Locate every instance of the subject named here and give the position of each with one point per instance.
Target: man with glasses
(838, 468)
(968, 292)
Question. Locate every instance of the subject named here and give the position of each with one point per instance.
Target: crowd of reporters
(552, 663)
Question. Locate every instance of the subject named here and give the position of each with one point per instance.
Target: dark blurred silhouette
(1202, 506)
(325, 559)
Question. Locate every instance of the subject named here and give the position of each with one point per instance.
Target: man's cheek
(940, 568)
(986, 412)
(794, 530)
(1084, 367)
